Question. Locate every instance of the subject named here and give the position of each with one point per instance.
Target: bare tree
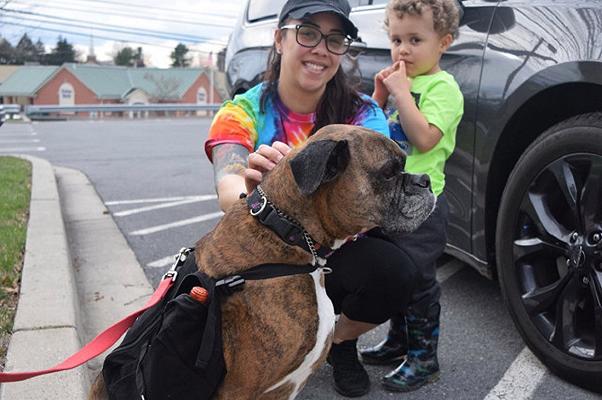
(166, 88)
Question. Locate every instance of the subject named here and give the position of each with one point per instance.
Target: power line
(128, 15)
(65, 33)
(139, 6)
(112, 28)
(121, 31)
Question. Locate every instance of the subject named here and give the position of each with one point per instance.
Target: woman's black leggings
(380, 275)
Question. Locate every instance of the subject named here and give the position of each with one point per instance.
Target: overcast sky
(157, 26)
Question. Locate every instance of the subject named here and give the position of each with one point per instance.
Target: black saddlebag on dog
(174, 349)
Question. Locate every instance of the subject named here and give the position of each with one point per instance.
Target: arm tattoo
(229, 159)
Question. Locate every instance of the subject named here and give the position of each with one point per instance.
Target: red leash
(100, 343)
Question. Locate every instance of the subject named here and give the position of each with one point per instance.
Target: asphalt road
(158, 185)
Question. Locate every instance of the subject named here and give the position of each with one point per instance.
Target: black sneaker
(350, 377)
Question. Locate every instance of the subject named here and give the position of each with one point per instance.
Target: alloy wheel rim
(557, 254)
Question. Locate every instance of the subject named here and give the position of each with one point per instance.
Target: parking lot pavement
(20, 138)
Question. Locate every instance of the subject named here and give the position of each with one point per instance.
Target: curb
(45, 329)
(110, 282)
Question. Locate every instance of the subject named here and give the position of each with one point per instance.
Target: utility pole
(211, 78)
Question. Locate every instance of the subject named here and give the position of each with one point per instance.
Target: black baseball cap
(299, 9)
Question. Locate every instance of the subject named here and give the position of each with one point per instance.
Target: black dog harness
(286, 227)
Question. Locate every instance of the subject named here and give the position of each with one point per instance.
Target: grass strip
(15, 194)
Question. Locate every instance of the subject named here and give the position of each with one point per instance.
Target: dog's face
(355, 178)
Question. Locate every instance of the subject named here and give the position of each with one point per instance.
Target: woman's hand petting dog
(263, 160)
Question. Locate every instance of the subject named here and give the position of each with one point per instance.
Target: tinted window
(355, 3)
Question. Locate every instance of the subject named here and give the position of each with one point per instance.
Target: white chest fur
(326, 320)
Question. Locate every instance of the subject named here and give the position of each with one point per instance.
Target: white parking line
(520, 380)
(155, 207)
(162, 262)
(162, 199)
(11, 133)
(448, 270)
(443, 273)
(184, 222)
(21, 149)
(3, 141)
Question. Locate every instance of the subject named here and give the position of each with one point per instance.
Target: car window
(355, 3)
(263, 9)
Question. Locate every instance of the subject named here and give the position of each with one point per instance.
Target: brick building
(76, 84)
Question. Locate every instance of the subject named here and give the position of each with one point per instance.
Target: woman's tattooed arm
(229, 159)
(229, 163)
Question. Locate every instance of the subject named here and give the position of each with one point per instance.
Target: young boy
(428, 106)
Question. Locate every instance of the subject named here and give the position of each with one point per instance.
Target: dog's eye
(391, 169)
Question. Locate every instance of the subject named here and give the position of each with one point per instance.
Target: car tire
(549, 245)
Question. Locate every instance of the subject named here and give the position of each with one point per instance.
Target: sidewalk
(79, 277)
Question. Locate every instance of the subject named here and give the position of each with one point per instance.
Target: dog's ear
(319, 162)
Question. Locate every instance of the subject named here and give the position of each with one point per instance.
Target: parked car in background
(525, 181)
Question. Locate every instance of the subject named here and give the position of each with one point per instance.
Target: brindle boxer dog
(276, 332)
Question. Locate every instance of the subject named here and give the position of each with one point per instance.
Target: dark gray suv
(525, 181)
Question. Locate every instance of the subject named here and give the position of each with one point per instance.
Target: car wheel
(549, 248)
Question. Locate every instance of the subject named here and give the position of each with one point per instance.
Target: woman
(305, 89)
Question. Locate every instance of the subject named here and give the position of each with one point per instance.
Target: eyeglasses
(310, 36)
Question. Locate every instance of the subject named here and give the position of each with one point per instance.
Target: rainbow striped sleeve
(236, 123)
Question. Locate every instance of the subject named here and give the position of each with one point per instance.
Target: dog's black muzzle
(412, 182)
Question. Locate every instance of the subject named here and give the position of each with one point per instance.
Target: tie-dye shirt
(240, 121)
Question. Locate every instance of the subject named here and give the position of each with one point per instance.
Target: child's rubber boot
(421, 365)
(393, 349)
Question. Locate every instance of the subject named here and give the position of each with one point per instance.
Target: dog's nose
(421, 180)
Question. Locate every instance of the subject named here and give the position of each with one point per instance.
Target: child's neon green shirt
(440, 101)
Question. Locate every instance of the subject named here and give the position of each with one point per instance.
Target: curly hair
(446, 14)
